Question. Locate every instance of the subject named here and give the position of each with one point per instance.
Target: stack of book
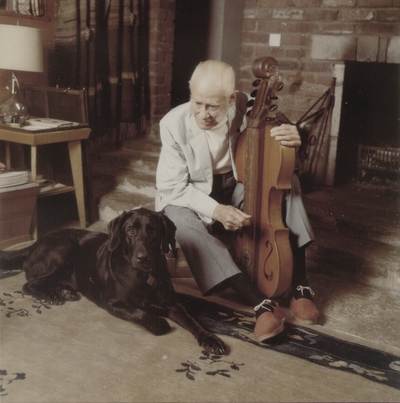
(13, 178)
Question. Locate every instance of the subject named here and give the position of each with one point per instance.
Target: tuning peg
(256, 83)
(279, 86)
(269, 118)
(248, 113)
(273, 108)
(254, 93)
(273, 97)
(250, 103)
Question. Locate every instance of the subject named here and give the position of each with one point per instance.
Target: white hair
(216, 75)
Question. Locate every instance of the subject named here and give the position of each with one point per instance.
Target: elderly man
(197, 191)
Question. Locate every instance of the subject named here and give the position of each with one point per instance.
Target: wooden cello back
(265, 168)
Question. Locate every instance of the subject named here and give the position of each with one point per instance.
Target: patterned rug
(299, 341)
(79, 353)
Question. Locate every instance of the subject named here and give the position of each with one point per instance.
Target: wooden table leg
(34, 226)
(8, 156)
(75, 157)
(33, 163)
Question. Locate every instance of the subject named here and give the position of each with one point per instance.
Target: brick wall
(316, 34)
(162, 15)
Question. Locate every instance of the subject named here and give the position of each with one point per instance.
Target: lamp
(21, 49)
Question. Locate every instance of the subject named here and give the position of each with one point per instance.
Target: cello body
(265, 168)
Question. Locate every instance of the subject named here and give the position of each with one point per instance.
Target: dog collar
(151, 280)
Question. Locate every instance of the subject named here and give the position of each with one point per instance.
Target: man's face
(208, 107)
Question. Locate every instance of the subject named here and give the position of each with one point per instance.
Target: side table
(73, 135)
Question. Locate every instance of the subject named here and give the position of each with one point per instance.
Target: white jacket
(184, 172)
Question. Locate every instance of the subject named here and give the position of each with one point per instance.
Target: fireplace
(369, 134)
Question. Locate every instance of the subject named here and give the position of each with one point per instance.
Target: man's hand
(231, 218)
(287, 135)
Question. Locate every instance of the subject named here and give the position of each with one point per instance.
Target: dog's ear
(168, 233)
(114, 230)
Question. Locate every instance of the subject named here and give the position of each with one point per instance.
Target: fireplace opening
(369, 135)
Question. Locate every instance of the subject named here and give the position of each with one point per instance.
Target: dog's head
(142, 235)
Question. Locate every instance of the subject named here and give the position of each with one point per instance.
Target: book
(13, 178)
(47, 123)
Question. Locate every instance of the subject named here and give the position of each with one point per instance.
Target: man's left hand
(287, 135)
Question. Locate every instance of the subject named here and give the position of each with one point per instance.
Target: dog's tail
(13, 259)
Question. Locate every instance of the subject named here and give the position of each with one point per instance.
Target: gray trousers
(208, 257)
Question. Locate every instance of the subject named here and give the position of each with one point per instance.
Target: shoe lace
(302, 288)
(267, 304)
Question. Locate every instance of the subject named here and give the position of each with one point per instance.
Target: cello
(265, 169)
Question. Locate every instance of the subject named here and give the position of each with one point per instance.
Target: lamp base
(14, 110)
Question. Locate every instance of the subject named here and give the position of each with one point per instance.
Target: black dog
(124, 272)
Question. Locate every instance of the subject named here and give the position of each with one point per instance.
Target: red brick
(245, 68)
(303, 27)
(260, 13)
(261, 51)
(377, 28)
(170, 15)
(255, 37)
(374, 3)
(166, 26)
(154, 4)
(357, 15)
(296, 39)
(160, 80)
(295, 53)
(272, 3)
(169, 57)
(249, 25)
(321, 15)
(338, 3)
(338, 28)
(305, 3)
(294, 76)
(250, 13)
(162, 90)
(166, 47)
(153, 55)
(157, 14)
(288, 14)
(288, 64)
(272, 26)
(264, 13)
(167, 4)
(388, 15)
(247, 50)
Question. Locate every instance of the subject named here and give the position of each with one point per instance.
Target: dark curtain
(102, 45)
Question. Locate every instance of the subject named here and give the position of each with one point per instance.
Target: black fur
(124, 272)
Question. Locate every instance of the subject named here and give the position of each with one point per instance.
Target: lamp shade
(21, 48)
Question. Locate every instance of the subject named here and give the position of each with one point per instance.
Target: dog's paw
(158, 326)
(212, 344)
(53, 298)
(69, 294)
(50, 296)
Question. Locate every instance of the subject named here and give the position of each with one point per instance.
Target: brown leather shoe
(271, 322)
(303, 308)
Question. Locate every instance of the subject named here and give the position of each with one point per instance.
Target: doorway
(192, 24)
(204, 29)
